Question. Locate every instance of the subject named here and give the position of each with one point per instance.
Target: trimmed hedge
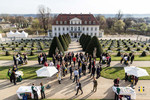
(94, 43)
(62, 41)
(55, 44)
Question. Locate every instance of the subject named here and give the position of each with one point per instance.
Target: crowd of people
(77, 65)
(20, 59)
(126, 58)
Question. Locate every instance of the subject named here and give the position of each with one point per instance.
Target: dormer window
(85, 22)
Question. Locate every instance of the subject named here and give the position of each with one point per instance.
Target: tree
(110, 22)
(128, 23)
(94, 43)
(143, 27)
(86, 42)
(55, 44)
(102, 22)
(119, 15)
(64, 45)
(35, 24)
(119, 26)
(44, 17)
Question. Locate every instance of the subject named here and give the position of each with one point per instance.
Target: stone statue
(94, 52)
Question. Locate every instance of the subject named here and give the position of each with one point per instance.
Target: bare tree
(44, 17)
(119, 15)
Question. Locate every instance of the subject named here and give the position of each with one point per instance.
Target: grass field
(109, 73)
(29, 72)
(114, 72)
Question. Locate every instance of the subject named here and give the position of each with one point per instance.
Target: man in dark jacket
(132, 58)
(71, 70)
(13, 77)
(79, 87)
(14, 59)
(98, 72)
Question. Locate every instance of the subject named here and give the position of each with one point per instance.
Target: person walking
(34, 91)
(93, 71)
(98, 72)
(42, 91)
(15, 60)
(39, 59)
(94, 85)
(74, 60)
(132, 58)
(9, 74)
(76, 73)
(71, 70)
(13, 76)
(59, 77)
(79, 87)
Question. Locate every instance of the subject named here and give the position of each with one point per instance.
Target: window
(59, 28)
(91, 34)
(71, 28)
(63, 28)
(55, 28)
(93, 22)
(89, 22)
(83, 28)
(56, 22)
(95, 28)
(65, 22)
(61, 22)
(91, 28)
(55, 34)
(95, 34)
(85, 22)
(67, 28)
(87, 28)
(78, 28)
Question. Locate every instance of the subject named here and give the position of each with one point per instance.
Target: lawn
(137, 58)
(29, 72)
(114, 72)
(2, 57)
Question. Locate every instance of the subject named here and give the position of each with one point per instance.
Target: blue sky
(76, 6)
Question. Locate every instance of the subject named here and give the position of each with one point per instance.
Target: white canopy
(132, 70)
(46, 71)
(27, 89)
(125, 91)
(17, 34)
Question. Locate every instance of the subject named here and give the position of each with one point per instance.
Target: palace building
(76, 25)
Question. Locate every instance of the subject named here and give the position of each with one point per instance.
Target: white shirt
(76, 72)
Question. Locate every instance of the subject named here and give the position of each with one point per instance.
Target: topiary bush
(94, 43)
(55, 44)
(128, 49)
(7, 53)
(31, 53)
(147, 49)
(63, 43)
(22, 48)
(119, 53)
(143, 53)
(138, 49)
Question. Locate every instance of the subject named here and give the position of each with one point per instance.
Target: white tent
(132, 70)
(17, 34)
(24, 34)
(27, 89)
(46, 71)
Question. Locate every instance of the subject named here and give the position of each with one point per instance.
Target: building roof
(65, 18)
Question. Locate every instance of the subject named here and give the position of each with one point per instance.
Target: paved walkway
(66, 90)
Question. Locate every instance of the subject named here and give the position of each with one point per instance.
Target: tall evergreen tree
(61, 39)
(94, 43)
(55, 44)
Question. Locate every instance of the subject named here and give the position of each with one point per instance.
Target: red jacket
(45, 64)
(74, 58)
